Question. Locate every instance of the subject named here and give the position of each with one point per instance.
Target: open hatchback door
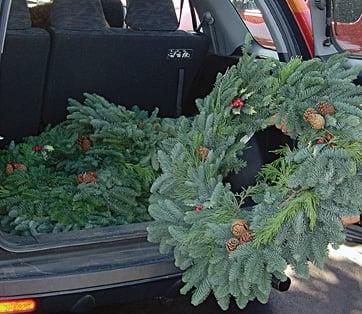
(337, 28)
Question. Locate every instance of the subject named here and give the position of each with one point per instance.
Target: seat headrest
(151, 15)
(19, 18)
(114, 12)
(77, 15)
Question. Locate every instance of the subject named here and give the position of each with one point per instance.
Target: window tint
(254, 21)
(347, 26)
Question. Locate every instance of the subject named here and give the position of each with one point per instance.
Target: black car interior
(136, 56)
(22, 75)
(138, 59)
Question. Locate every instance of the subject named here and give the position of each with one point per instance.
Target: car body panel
(88, 267)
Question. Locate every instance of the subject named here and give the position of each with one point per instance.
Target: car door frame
(4, 17)
(324, 43)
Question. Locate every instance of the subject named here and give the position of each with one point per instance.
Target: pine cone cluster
(239, 227)
(314, 119)
(203, 152)
(232, 244)
(246, 237)
(241, 232)
(309, 113)
(326, 109)
(87, 177)
(85, 143)
(12, 166)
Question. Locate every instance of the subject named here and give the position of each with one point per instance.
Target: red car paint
(301, 13)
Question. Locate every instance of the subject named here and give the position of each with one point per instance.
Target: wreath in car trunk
(223, 247)
(96, 170)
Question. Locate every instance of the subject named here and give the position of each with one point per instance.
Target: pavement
(335, 290)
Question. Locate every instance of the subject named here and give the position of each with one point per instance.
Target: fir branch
(298, 201)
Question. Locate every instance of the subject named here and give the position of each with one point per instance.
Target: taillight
(17, 306)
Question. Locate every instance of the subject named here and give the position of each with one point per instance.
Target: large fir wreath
(226, 249)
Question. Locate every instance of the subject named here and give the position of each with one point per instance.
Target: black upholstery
(77, 15)
(114, 12)
(125, 66)
(151, 15)
(22, 76)
(19, 18)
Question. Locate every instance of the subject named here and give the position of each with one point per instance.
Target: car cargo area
(134, 55)
(57, 51)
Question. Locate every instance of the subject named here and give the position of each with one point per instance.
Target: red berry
(237, 103)
(320, 141)
(199, 208)
(37, 148)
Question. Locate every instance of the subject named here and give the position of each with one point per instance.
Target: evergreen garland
(225, 249)
(93, 170)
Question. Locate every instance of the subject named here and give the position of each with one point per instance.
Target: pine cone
(317, 121)
(232, 244)
(85, 143)
(9, 170)
(12, 166)
(18, 166)
(325, 109)
(246, 237)
(239, 227)
(329, 136)
(203, 152)
(308, 113)
(87, 177)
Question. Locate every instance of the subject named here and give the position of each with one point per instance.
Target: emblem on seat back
(174, 54)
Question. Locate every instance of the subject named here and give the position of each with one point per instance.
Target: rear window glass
(254, 21)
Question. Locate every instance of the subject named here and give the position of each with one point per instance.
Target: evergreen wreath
(93, 170)
(224, 248)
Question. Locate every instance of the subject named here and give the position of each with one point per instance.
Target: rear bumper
(69, 271)
(83, 276)
(84, 302)
(80, 278)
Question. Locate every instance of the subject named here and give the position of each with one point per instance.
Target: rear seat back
(130, 67)
(22, 75)
(151, 15)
